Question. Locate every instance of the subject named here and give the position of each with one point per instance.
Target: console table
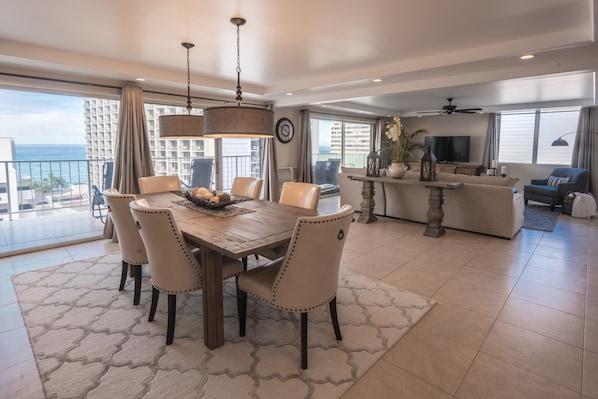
(435, 200)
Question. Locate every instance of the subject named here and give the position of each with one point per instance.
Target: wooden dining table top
(258, 226)
(267, 224)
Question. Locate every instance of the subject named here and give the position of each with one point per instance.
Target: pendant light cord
(239, 92)
(189, 107)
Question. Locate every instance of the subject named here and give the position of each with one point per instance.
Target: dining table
(238, 230)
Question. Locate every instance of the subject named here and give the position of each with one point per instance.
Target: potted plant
(400, 146)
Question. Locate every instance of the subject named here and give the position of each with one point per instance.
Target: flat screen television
(449, 148)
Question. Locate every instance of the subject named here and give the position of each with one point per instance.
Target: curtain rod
(106, 86)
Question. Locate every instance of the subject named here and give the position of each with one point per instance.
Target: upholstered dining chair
(158, 184)
(174, 267)
(131, 246)
(247, 186)
(306, 278)
(302, 195)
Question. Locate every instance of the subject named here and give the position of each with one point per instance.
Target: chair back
(131, 246)
(159, 184)
(247, 186)
(107, 172)
(308, 276)
(302, 195)
(201, 172)
(173, 267)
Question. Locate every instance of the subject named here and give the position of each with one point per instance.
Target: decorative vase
(396, 170)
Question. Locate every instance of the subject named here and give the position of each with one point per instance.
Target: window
(347, 140)
(527, 136)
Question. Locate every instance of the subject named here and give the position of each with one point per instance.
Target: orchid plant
(400, 143)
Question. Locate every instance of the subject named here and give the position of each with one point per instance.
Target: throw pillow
(555, 181)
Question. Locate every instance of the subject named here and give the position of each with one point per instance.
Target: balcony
(44, 204)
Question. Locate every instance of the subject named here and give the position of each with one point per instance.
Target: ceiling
(326, 53)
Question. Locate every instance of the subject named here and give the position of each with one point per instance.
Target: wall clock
(284, 130)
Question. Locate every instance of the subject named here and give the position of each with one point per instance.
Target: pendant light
(183, 126)
(238, 121)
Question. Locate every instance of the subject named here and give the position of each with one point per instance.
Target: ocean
(40, 161)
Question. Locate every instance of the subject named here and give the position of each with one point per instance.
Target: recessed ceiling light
(289, 94)
(140, 79)
(377, 80)
(527, 57)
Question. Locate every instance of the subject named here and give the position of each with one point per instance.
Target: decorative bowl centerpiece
(207, 198)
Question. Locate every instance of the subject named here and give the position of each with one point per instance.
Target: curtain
(585, 147)
(305, 171)
(491, 145)
(269, 170)
(132, 157)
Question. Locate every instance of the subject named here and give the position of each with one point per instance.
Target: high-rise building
(170, 156)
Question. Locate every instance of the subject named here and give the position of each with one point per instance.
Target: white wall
(288, 154)
(474, 125)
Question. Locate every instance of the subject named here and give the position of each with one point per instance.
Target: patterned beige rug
(90, 341)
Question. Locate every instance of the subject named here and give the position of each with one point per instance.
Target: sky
(38, 118)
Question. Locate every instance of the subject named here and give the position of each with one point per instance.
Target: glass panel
(240, 157)
(516, 141)
(357, 144)
(554, 124)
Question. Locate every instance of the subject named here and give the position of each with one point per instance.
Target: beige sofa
(484, 204)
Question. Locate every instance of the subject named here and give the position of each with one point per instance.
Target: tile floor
(66, 225)
(515, 318)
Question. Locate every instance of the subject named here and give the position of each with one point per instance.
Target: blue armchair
(552, 189)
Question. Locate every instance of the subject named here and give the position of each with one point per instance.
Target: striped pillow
(555, 181)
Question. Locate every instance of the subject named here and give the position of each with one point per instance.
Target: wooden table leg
(213, 308)
(435, 213)
(367, 203)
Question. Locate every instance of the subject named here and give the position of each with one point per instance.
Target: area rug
(89, 341)
(539, 217)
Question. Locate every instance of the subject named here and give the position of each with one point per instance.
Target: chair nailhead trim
(287, 260)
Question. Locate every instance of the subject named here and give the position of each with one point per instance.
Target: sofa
(484, 204)
(553, 189)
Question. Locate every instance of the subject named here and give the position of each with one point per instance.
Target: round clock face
(284, 130)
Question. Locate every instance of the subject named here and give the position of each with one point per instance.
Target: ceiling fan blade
(439, 111)
(468, 110)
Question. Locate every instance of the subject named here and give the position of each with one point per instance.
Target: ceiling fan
(450, 109)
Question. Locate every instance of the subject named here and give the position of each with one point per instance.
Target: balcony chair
(306, 277)
(98, 206)
(174, 267)
(132, 250)
(107, 172)
(302, 195)
(201, 173)
(159, 184)
(552, 190)
(325, 175)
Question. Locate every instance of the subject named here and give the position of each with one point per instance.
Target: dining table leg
(213, 308)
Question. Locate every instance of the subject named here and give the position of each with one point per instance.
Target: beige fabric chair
(302, 195)
(174, 267)
(131, 246)
(306, 277)
(159, 184)
(247, 187)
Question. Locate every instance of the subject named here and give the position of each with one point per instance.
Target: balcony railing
(33, 188)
